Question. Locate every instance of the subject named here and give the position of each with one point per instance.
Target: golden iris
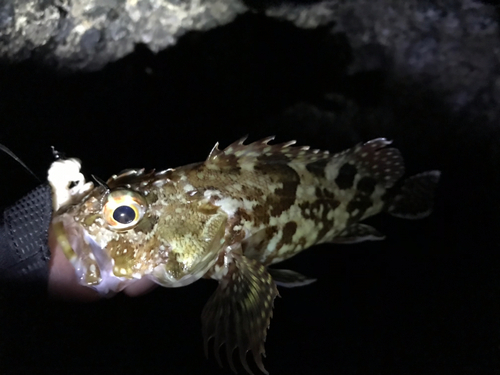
(124, 209)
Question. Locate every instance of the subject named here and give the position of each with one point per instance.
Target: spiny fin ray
(239, 312)
(262, 149)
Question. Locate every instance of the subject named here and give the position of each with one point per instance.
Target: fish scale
(230, 217)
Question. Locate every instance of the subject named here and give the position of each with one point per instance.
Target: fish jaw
(93, 265)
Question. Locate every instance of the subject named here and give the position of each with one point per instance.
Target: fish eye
(124, 214)
(124, 209)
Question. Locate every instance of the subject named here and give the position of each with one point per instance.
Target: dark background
(424, 301)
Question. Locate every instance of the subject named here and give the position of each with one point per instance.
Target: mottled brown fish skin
(274, 200)
(281, 200)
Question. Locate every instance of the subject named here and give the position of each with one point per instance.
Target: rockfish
(230, 218)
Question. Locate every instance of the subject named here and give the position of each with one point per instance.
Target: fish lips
(93, 265)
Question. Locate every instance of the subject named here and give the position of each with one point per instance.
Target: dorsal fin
(215, 152)
(373, 159)
(262, 149)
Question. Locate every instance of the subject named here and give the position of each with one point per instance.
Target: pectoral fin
(358, 233)
(289, 279)
(239, 312)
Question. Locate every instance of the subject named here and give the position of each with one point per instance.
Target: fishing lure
(229, 218)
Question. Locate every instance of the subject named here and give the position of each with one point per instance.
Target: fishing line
(16, 158)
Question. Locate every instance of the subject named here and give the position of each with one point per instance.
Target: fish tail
(415, 198)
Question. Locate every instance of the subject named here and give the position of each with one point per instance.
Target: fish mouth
(93, 265)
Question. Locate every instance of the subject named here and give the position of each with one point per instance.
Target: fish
(230, 218)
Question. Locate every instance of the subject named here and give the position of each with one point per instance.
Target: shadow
(212, 83)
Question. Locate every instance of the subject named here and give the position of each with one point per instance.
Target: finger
(140, 287)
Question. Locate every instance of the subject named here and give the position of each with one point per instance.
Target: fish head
(139, 225)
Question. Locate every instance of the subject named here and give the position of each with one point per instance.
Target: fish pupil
(124, 214)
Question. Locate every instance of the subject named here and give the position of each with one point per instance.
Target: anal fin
(356, 233)
(239, 312)
(289, 278)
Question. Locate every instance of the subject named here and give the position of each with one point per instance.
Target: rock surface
(450, 45)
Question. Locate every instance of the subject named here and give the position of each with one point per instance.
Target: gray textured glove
(24, 250)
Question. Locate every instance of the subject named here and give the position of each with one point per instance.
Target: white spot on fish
(159, 183)
(271, 247)
(249, 167)
(249, 205)
(228, 205)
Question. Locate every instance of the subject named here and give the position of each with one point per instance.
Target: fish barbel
(229, 218)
